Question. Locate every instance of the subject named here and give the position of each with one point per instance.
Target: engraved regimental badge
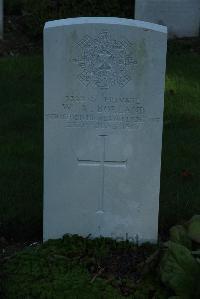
(104, 61)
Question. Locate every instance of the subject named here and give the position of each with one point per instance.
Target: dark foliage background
(36, 12)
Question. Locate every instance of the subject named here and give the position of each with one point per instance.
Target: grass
(21, 147)
(71, 264)
(180, 176)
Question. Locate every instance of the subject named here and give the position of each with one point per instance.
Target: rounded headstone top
(106, 20)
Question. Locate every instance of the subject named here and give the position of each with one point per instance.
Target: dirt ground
(15, 40)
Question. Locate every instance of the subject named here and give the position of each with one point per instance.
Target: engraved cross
(102, 163)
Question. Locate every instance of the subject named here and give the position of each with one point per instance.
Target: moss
(75, 267)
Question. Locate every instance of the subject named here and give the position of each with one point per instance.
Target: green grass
(21, 136)
(180, 176)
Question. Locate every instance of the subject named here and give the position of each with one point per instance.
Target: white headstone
(1, 19)
(104, 85)
(182, 17)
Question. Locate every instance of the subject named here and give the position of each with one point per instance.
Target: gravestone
(182, 17)
(1, 19)
(104, 84)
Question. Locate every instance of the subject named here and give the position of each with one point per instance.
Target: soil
(187, 45)
(9, 248)
(124, 269)
(15, 41)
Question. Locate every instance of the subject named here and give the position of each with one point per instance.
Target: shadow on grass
(21, 135)
(180, 175)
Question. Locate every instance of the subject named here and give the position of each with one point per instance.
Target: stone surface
(182, 17)
(104, 83)
(1, 19)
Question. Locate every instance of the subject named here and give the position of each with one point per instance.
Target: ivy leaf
(178, 234)
(180, 271)
(194, 228)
